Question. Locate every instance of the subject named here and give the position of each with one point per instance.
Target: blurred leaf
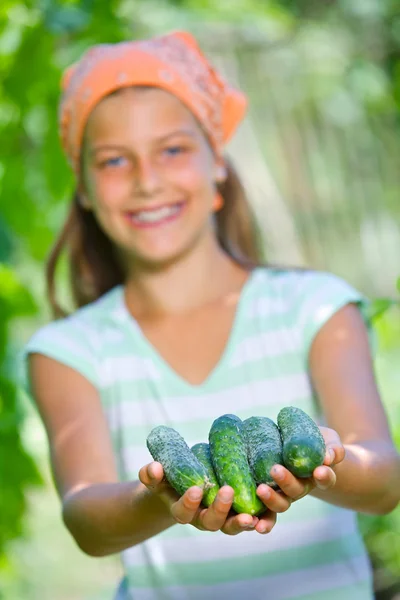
(17, 469)
(15, 299)
(66, 19)
(379, 307)
(6, 241)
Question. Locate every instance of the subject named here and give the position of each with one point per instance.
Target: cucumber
(303, 444)
(264, 448)
(203, 454)
(229, 457)
(182, 469)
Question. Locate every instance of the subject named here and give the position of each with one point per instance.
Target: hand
(187, 509)
(293, 488)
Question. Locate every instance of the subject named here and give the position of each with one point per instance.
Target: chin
(156, 256)
(157, 262)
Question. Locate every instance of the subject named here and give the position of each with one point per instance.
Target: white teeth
(152, 216)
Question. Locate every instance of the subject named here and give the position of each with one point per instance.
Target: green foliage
(381, 532)
(379, 307)
(17, 469)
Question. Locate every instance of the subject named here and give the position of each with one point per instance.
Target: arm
(103, 515)
(363, 473)
(368, 479)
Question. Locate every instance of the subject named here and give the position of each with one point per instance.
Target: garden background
(319, 153)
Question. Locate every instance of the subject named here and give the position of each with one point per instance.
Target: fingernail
(332, 454)
(321, 486)
(265, 492)
(278, 473)
(195, 495)
(225, 495)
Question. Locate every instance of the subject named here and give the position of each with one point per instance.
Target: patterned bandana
(173, 62)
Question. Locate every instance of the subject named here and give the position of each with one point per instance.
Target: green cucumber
(264, 448)
(229, 457)
(203, 454)
(181, 468)
(303, 444)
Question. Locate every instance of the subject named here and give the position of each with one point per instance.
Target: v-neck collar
(133, 328)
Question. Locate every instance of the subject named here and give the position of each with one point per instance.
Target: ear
(221, 172)
(84, 202)
(83, 198)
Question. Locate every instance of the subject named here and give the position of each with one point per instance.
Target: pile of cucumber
(240, 454)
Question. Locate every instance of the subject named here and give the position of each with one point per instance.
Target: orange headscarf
(173, 62)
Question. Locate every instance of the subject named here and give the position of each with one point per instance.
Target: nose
(147, 177)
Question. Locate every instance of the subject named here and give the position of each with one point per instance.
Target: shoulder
(85, 324)
(77, 340)
(299, 286)
(297, 279)
(307, 298)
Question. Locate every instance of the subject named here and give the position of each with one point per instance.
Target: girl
(178, 323)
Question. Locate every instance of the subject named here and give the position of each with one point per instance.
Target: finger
(335, 451)
(290, 485)
(151, 474)
(186, 507)
(324, 477)
(214, 518)
(239, 523)
(266, 522)
(274, 500)
(335, 454)
(330, 456)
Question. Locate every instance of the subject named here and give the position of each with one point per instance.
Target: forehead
(141, 111)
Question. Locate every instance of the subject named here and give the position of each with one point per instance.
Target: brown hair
(94, 267)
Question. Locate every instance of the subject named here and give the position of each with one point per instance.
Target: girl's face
(149, 175)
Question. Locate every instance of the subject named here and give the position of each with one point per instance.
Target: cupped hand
(292, 488)
(187, 509)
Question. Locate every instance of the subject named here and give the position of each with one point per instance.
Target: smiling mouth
(155, 216)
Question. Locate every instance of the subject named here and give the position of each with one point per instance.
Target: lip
(152, 208)
(149, 225)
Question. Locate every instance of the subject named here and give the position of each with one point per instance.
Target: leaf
(379, 307)
(6, 241)
(63, 19)
(15, 299)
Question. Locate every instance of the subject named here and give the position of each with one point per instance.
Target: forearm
(368, 480)
(107, 518)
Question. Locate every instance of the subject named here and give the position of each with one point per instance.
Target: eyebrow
(178, 132)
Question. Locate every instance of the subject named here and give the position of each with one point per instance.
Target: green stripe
(247, 567)
(226, 380)
(358, 591)
(198, 430)
(250, 325)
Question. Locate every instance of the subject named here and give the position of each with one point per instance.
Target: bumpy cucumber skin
(229, 457)
(303, 445)
(181, 468)
(203, 454)
(264, 448)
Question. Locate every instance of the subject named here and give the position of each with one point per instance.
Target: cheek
(195, 177)
(106, 192)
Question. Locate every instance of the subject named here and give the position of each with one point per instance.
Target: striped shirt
(315, 550)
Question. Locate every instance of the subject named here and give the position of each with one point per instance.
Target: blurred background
(319, 153)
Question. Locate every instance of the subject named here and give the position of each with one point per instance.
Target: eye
(174, 150)
(115, 161)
